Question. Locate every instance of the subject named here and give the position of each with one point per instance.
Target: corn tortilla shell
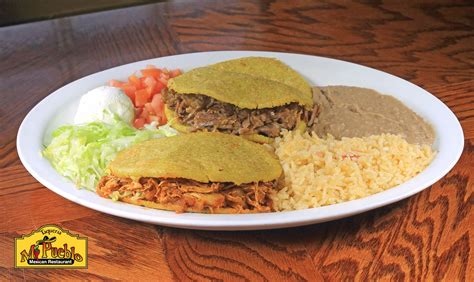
(239, 89)
(173, 121)
(268, 68)
(175, 207)
(203, 156)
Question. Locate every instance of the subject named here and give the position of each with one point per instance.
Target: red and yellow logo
(51, 247)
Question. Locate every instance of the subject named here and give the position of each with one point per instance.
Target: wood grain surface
(427, 237)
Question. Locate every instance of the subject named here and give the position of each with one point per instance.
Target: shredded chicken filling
(202, 112)
(184, 194)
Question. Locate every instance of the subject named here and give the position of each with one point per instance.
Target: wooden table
(426, 237)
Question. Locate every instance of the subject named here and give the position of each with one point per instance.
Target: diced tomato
(139, 123)
(146, 92)
(142, 81)
(151, 72)
(150, 91)
(138, 111)
(151, 119)
(149, 108)
(150, 84)
(129, 90)
(163, 119)
(116, 83)
(165, 76)
(164, 81)
(175, 73)
(145, 114)
(141, 97)
(159, 86)
(149, 81)
(159, 108)
(158, 105)
(135, 81)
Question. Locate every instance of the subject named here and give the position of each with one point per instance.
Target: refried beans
(360, 112)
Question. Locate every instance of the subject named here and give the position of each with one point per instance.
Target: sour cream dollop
(101, 103)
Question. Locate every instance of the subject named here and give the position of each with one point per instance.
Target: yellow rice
(327, 171)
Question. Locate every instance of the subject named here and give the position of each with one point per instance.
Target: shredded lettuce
(82, 152)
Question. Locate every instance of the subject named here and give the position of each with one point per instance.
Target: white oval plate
(59, 107)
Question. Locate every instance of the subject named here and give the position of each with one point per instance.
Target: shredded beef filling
(205, 113)
(183, 194)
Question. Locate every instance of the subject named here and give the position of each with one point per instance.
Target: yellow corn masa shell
(203, 156)
(300, 126)
(173, 121)
(259, 138)
(239, 89)
(268, 68)
(175, 207)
